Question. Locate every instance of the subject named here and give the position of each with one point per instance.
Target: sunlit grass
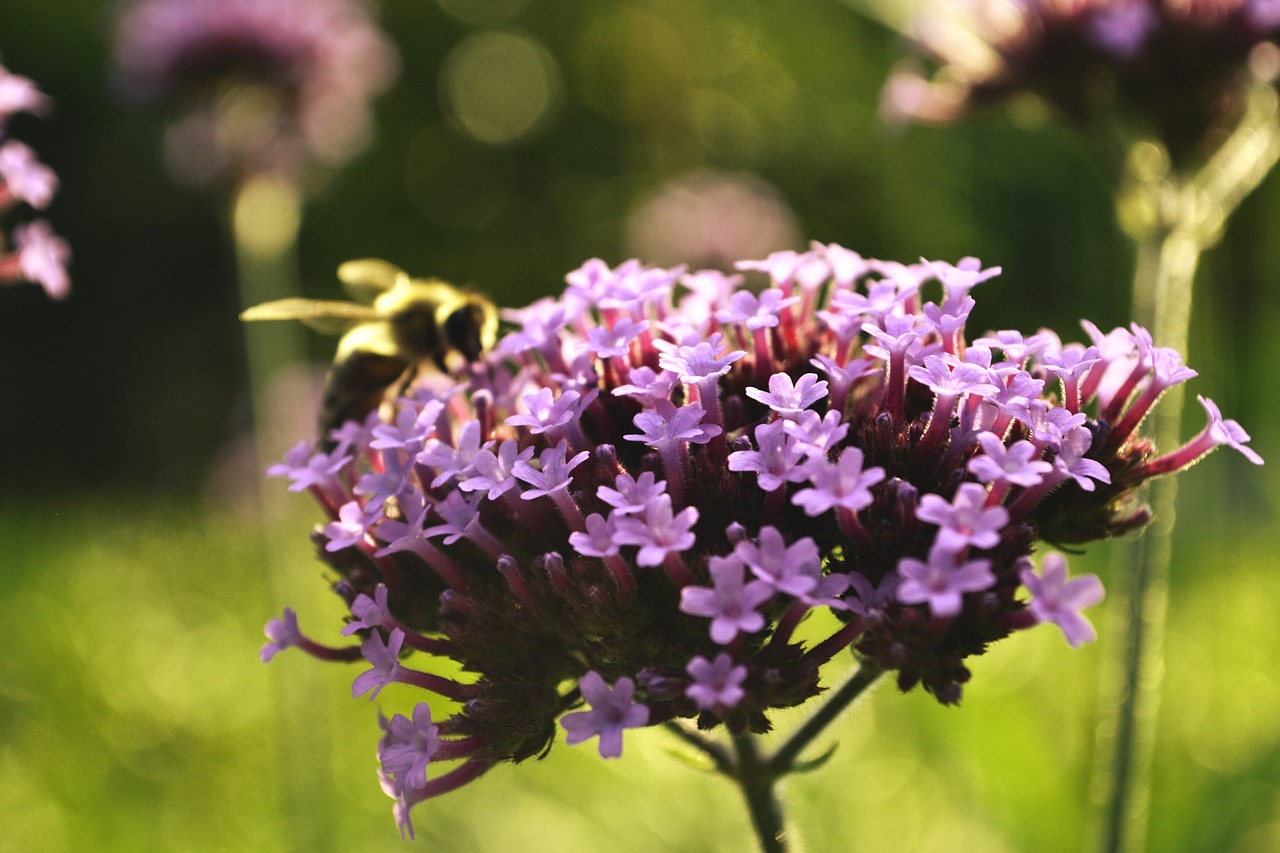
(135, 715)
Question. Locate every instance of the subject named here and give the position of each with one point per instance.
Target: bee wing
(328, 316)
(366, 278)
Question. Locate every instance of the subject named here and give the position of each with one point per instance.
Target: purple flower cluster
(262, 85)
(1177, 65)
(38, 255)
(637, 497)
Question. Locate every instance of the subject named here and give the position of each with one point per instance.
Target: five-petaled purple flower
(1056, 599)
(612, 711)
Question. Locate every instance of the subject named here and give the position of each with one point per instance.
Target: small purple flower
(351, 528)
(794, 569)
(410, 430)
(783, 267)
(406, 535)
(452, 461)
(283, 632)
(460, 516)
(554, 471)
(43, 257)
(693, 364)
(729, 603)
(1056, 599)
(601, 538)
(847, 266)
(777, 462)
(665, 425)
(1072, 462)
(815, 435)
(548, 412)
(1167, 368)
(1218, 431)
(306, 468)
(842, 483)
(24, 177)
(1017, 465)
(409, 746)
(633, 494)
(900, 334)
(647, 387)
(958, 279)
(964, 522)
(616, 341)
(952, 379)
(1224, 431)
(789, 398)
(659, 532)
(716, 684)
(1016, 392)
(540, 324)
(19, 94)
(1048, 424)
(1071, 363)
(495, 472)
(384, 657)
(756, 312)
(612, 711)
(589, 282)
(942, 581)
(880, 301)
(1015, 347)
(842, 376)
(376, 487)
(369, 612)
(639, 286)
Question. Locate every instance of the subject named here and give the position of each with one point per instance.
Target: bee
(400, 324)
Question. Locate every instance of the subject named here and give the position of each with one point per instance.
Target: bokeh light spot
(500, 86)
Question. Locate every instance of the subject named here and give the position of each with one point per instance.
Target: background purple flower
(316, 65)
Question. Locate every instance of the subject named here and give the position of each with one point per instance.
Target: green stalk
(756, 779)
(264, 218)
(757, 776)
(263, 224)
(1173, 219)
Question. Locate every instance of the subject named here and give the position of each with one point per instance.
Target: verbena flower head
(31, 252)
(1179, 66)
(608, 538)
(261, 86)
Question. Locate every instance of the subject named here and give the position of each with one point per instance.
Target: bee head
(470, 326)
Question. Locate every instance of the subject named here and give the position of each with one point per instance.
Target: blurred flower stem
(266, 211)
(758, 775)
(1173, 219)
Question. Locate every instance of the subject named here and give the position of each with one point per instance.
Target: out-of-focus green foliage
(133, 711)
(135, 716)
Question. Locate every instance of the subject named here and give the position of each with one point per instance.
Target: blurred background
(521, 138)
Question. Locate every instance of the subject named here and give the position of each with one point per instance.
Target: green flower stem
(1173, 220)
(709, 747)
(756, 775)
(783, 761)
(264, 218)
(757, 780)
(263, 223)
